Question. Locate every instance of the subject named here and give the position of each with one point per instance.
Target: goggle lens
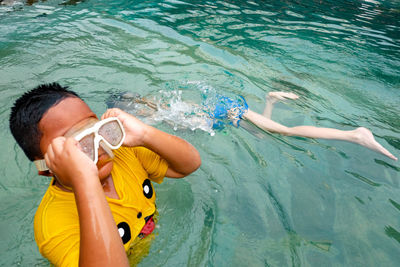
(87, 146)
(112, 133)
(109, 132)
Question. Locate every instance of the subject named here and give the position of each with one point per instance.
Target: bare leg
(361, 136)
(272, 98)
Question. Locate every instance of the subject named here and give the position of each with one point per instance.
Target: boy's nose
(104, 151)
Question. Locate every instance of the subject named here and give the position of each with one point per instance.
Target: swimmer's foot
(364, 137)
(273, 97)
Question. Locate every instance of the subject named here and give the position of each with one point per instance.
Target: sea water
(258, 199)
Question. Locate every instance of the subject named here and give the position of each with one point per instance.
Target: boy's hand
(135, 129)
(182, 158)
(69, 164)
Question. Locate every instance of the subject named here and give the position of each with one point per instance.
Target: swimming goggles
(108, 133)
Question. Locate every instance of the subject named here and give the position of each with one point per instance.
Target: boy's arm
(100, 243)
(181, 156)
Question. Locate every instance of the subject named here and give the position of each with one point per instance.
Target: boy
(97, 207)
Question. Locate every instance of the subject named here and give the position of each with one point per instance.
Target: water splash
(181, 114)
(169, 106)
(166, 106)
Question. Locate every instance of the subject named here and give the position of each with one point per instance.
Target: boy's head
(27, 112)
(49, 111)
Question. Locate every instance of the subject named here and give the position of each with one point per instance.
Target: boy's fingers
(58, 145)
(47, 160)
(106, 114)
(112, 112)
(49, 155)
(49, 152)
(72, 146)
(71, 142)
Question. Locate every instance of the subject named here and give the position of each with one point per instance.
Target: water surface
(258, 199)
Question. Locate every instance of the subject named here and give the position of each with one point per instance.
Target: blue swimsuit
(220, 113)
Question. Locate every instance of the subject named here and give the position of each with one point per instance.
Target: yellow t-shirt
(56, 223)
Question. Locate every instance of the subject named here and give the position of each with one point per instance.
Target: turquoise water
(258, 199)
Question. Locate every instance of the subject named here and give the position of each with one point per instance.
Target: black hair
(27, 112)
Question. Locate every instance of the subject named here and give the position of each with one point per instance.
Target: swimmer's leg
(361, 135)
(272, 98)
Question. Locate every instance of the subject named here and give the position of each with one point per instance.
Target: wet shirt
(56, 223)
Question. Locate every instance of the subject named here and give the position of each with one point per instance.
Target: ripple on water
(260, 199)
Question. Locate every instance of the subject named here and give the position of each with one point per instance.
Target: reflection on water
(259, 199)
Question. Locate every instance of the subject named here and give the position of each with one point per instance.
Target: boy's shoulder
(131, 153)
(57, 208)
(143, 161)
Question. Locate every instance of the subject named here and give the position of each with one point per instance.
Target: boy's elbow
(197, 163)
(185, 168)
(194, 164)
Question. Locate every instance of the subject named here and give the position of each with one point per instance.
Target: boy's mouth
(103, 159)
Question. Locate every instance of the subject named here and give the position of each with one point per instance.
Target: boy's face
(69, 115)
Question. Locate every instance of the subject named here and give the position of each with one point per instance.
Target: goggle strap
(41, 165)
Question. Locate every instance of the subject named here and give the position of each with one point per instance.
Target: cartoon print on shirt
(147, 189)
(124, 232)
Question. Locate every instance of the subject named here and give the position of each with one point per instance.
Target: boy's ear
(45, 173)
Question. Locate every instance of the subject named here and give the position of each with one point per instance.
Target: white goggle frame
(41, 163)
